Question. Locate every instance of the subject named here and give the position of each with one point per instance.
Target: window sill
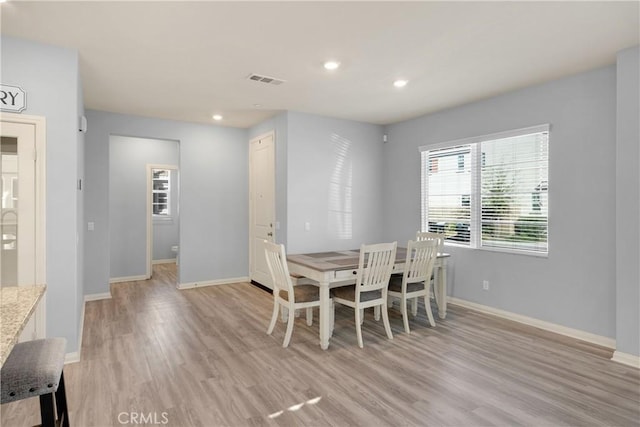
(500, 250)
(166, 220)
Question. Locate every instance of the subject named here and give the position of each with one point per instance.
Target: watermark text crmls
(134, 417)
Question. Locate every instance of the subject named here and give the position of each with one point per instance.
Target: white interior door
(17, 263)
(22, 249)
(262, 205)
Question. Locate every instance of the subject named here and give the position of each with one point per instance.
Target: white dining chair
(427, 235)
(439, 238)
(372, 279)
(415, 281)
(285, 295)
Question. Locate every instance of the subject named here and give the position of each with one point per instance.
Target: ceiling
(189, 60)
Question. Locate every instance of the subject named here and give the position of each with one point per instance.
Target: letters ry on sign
(12, 98)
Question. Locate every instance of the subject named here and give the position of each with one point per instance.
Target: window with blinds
(446, 192)
(161, 192)
(489, 192)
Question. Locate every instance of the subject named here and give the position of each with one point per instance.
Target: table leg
(325, 316)
(442, 303)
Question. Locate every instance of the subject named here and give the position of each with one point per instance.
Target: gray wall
(213, 196)
(333, 163)
(128, 160)
(575, 285)
(49, 75)
(322, 164)
(627, 203)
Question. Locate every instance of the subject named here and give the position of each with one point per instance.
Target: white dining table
(339, 268)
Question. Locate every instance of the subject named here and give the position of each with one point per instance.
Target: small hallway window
(161, 193)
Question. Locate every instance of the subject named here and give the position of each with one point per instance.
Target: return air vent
(265, 79)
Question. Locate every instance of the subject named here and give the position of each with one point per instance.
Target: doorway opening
(22, 210)
(162, 216)
(143, 179)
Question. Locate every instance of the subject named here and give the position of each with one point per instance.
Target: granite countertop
(17, 304)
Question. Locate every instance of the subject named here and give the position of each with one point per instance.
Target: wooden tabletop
(339, 260)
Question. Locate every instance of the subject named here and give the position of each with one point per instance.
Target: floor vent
(265, 79)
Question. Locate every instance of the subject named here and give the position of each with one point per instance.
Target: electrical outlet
(485, 285)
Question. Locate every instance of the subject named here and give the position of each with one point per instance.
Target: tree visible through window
(491, 192)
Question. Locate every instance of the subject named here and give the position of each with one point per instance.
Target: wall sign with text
(12, 98)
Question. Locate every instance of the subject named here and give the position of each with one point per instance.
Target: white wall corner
(626, 359)
(202, 284)
(541, 324)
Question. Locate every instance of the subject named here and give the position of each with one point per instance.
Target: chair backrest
(421, 256)
(426, 235)
(375, 266)
(277, 263)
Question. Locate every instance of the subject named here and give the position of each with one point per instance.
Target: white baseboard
(81, 332)
(72, 357)
(547, 326)
(127, 279)
(626, 359)
(163, 261)
(213, 282)
(96, 297)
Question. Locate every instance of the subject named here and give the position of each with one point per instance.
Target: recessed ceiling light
(217, 117)
(257, 105)
(400, 83)
(331, 65)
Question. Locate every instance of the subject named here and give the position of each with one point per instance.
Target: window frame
(477, 163)
(159, 216)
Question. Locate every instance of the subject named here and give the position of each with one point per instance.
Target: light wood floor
(202, 357)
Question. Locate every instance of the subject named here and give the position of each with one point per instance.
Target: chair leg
(376, 313)
(285, 314)
(358, 326)
(361, 316)
(414, 306)
(274, 316)
(427, 306)
(435, 279)
(47, 412)
(405, 315)
(287, 336)
(309, 316)
(385, 319)
(61, 403)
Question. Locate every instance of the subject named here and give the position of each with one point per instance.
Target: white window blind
(446, 192)
(514, 192)
(489, 192)
(161, 192)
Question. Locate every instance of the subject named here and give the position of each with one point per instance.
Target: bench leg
(61, 403)
(47, 413)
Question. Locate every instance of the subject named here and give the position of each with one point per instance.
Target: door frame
(40, 156)
(271, 134)
(150, 167)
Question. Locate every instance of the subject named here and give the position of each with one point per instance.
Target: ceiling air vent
(265, 79)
